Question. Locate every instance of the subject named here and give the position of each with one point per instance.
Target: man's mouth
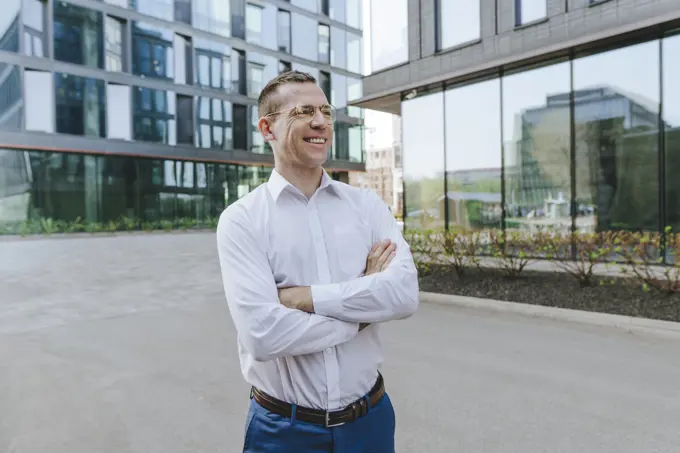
(315, 140)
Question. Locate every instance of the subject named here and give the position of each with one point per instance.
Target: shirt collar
(277, 183)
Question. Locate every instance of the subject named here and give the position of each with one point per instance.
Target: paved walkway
(124, 344)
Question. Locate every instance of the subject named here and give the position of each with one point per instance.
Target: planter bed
(614, 295)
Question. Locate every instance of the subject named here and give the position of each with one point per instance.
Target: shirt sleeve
(266, 328)
(384, 296)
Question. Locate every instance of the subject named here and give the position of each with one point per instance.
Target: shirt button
(329, 350)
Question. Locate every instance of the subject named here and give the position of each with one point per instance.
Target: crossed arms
(274, 323)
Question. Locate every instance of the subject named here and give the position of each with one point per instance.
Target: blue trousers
(267, 432)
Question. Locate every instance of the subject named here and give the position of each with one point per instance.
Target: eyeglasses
(308, 112)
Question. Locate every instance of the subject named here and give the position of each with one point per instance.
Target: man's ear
(265, 129)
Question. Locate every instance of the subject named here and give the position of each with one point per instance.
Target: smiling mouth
(315, 140)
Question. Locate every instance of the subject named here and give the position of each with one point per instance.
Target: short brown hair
(267, 102)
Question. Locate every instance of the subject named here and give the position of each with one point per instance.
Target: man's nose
(318, 120)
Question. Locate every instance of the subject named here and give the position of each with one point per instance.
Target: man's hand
(381, 255)
(297, 297)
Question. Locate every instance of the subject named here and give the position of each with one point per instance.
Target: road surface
(124, 344)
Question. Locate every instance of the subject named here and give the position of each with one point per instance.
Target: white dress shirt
(276, 237)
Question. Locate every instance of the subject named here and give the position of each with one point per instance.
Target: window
(324, 38)
(473, 156)
(255, 79)
(324, 7)
(238, 19)
(537, 147)
(114, 44)
(11, 102)
(239, 72)
(354, 16)
(304, 31)
(78, 35)
(325, 84)
(80, 105)
(213, 70)
(458, 22)
(183, 11)
(154, 115)
(423, 161)
(241, 127)
(162, 9)
(284, 31)
(338, 48)
(212, 16)
(152, 51)
(389, 33)
(671, 123)
(214, 128)
(254, 23)
(9, 26)
(527, 11)
(35, 26)
(355, 58)
(616, 99)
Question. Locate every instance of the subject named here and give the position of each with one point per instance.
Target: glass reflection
(89, 191)
(324, 38)
(213, 65)
(254, 23)
(35, 36)
(78, 35)
(114, 44)
(671, 124)
(473, 156)
(527, 11)
(537, 144)
(212, 15)
(154, 116)
(162, 9)
(459, 22)
(9, 26)
(152, 51)
(616, 98)
(214, 124)
(389, 43)
(80, 105)
(261, 69)
(304, 33)
(283, 31)
(11, 103)
(355, 57)
(423, 161)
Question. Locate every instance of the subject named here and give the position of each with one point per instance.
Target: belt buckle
(328, 421)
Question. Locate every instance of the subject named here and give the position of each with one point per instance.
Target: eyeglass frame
(316, 107)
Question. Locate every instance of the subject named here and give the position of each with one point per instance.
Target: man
(311, 267)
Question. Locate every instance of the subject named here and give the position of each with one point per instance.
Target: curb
(630, 324)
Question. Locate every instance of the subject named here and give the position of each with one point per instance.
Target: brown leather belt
(357, 409)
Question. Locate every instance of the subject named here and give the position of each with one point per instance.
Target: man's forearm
(300, 298)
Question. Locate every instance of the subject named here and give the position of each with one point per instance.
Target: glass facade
(584, 144)
(92, 192)
(115, 78)
(459, 22)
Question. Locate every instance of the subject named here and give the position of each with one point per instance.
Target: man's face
(302, 133)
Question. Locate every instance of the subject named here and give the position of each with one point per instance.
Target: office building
(532, 114)
(146, 110)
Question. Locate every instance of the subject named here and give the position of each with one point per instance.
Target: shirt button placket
(324, 275)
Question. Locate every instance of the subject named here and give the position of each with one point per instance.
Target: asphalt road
(124, 344)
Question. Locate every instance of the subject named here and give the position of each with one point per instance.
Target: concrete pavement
(124, 344)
